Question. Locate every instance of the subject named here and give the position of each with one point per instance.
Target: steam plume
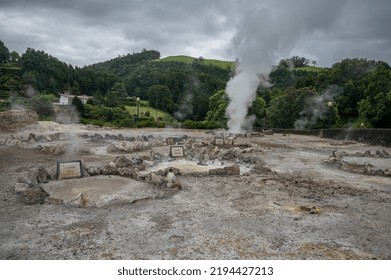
(262, 37)
(317, 107)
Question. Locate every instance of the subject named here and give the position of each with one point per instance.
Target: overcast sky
(82, 32)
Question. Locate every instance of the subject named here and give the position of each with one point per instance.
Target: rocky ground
(255, 197)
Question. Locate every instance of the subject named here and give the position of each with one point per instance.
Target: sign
(63, 136)
(170, 141)
(69, 169)
(219, 141)
(177, 151)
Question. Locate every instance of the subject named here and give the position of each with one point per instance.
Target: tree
(14, 56)
(4, 53)
(43, 104)
(294, 62)
(375, 107)
(159, 96)
(117, 95)
(258, 109)
(78, 104)
(218, 104)
(285, 109)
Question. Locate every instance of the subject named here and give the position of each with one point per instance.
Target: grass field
(189, 59)
(153, 112)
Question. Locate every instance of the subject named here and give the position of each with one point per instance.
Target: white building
(66, 98)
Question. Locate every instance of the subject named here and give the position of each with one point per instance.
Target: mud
(286, 204)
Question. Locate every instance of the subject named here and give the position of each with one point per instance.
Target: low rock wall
(376, 137)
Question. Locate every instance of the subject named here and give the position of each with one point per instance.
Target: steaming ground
(302, 210)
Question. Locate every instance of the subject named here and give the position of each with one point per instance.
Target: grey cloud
(86, 31)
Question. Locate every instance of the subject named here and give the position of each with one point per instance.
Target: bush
(201, 125)
(127, 122)
(151, 123)
(92, 121)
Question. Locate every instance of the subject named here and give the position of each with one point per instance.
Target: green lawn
(189, 59)
(153, 112)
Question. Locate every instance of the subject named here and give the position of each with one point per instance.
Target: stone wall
(377, 137)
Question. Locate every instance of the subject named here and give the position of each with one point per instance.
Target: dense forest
(351, 93)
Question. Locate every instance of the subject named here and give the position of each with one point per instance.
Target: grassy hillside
(153, 112)
(189, 59)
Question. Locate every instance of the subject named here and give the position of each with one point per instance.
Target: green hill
(189, 59)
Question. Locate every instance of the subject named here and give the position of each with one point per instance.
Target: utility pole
(138, 109)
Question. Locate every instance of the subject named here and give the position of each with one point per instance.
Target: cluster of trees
(351, 92)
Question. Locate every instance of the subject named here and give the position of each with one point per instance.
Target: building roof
(79, 96)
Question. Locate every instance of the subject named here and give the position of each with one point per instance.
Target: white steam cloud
(185, 107)
(317, 107)
(261, 38)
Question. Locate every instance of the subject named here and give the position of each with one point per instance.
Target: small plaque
(63, 136)
(170, 141)
(177, 151)
(219, 141)
(68, 170)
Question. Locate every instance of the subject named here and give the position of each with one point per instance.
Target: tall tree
(4, 53)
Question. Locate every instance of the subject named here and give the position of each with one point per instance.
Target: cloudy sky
(82, 32)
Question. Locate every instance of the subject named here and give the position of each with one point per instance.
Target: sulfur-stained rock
(13, 120)
(354, 168)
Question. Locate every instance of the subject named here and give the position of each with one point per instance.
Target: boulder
(32, 176)
(42, 175)
(354, 168)
(121, 161)
(268, 132)
(32, 195)
(174, 170)
(109, 169)
(385, 154)
(94, 170)
(21, 187)
(367, 154)
(217, 171)
(126, 172)
(232, 170)
(112, 148)
(52, 173)
(156, 179)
